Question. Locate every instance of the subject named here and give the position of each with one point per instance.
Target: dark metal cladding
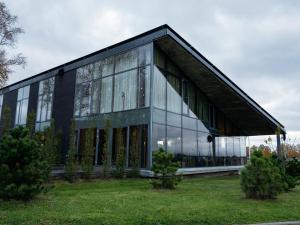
(63, 104)
(9, 100)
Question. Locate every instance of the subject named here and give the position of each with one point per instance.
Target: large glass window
(83, 93)
(106, 95)
(138, 143)
(1, 103)
(189, 144)
(125, 91)
(144, 86)
(173, 94)
(128, 74)
(158, 137)
(45, 100)
(119, 143)
(204, 150)
(159, 89)
(22, 105)
(126, 61)
(174, 141)
(144, 55)
(107, 66)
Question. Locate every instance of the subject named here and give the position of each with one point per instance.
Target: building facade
(158, 89)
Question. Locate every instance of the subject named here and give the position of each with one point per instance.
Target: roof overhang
(237, 106)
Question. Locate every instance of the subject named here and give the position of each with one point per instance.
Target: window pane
(173, 94)
(96, 96)
(106, 95)
(144, 55)
(125, 93)
(174, 141)
(205, 148)
(205, 152)
(159, 91)
(230, 150)
(43, 109)
(159, 116)
(189, 144)
(23, 115)
(144, 86)
(49, 111)
(158, 137)
(189, 123)
(192, 100)
(83, 75)
(85, 99)
(77, 100)
(17, 112)
(85, 106)
(95, 70)
(107, 66)
(185, 108)
(119, 142)
(174, 119)
(20, 93)
(126, 61)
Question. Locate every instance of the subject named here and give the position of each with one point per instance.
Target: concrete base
(59, 171)
(198, 170)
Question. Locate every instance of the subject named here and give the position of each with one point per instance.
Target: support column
(279, 153)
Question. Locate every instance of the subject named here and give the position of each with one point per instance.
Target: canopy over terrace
(248, 116)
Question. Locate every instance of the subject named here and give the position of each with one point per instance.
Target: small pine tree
(71, 163)
(23, 168)
(51, 144)
(135, 156)
(30, 123)
(105, 150)
(261, 178)
(6, 119)
(88, 152)
(120, 157)
(164, 168)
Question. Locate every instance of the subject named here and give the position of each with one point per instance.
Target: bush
(88, 152)
(134, 155)
(105, 152)
(260, 178)
(165, 168)
(288, 182)
(23, 169)
(293, 168)
(71, 163)
(120, 157)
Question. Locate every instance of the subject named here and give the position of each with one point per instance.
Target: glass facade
(185, 122)
(44, 107)
(22, 105)
(117, 83)
(182, 119)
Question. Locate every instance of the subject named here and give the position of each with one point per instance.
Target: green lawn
(212, 200)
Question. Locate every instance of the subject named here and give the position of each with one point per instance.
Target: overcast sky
(255, 43)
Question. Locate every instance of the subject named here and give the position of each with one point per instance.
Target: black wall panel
(10, 100)
(63, 104)
(33, 97)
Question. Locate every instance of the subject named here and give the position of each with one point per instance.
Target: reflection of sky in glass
(22, 105)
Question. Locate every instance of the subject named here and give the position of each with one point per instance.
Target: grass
(211, 200)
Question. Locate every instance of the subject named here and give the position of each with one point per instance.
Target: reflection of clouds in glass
(22, 105)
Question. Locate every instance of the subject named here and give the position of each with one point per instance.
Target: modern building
(156, 87)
